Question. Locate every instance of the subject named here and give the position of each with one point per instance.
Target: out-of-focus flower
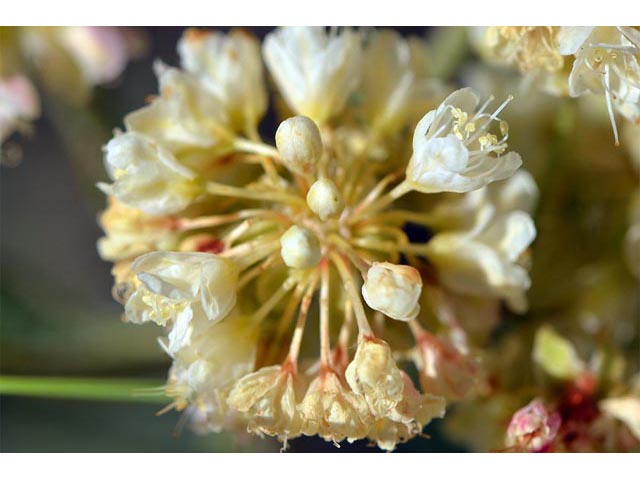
(533, 427)
(19, 105)
(483, 262)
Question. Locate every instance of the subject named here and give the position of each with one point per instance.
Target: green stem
(114, 390)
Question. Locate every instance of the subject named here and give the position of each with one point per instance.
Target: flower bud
(393, 290)
(324, 199)
(299, 143)
(300, 248)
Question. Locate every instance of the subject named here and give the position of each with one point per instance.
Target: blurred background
(58, 317)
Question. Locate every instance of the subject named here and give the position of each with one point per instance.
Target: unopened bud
(324, 199)
(299, 143)
(300, 248)
(393, 290)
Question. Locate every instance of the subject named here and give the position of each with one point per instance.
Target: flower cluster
(575, 61)
(245, 252)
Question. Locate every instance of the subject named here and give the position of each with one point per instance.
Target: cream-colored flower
(230, 68)
(269, 397)
(373, 374)
(324, 199)
(483, 262)
(147, 176)
(332, 411)
(444, 370)
(454, 151)
(178, 287)
(407, 418)
(397, 87)
(131, 232)
(186, 115)
(299, 144)
(215, 357)
(393, 290)
(300, 248)
(316, 71)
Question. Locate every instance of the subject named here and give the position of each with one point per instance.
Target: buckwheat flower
(230, 68)
(270, 398)
(454, 151)
(147, 176)
(324, 199)
(19, 105)
(393, 290)
(407, 418)
(185, 114)
(332, 411)
(444, 370)
(607, 61)
(206, 367)
(482, 262)
(299, 144)
(533, 427)
(396, 87)
(131, 232)
(181, 285)
(374, 375)
(315, 70)
(300, 248)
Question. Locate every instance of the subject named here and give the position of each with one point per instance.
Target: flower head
(533, 427)
(454, 151)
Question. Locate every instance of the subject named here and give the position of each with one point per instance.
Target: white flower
(396, 85)
(316, 71)
(626, 409)
(607, 62)
(179, 287)
(299, 144)
(147, 176)
(483, 262)
(300, 248)
(453, 150)
(393, 290)
(324, 199)
(230, 67)
(184, 116)
(373, 374)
